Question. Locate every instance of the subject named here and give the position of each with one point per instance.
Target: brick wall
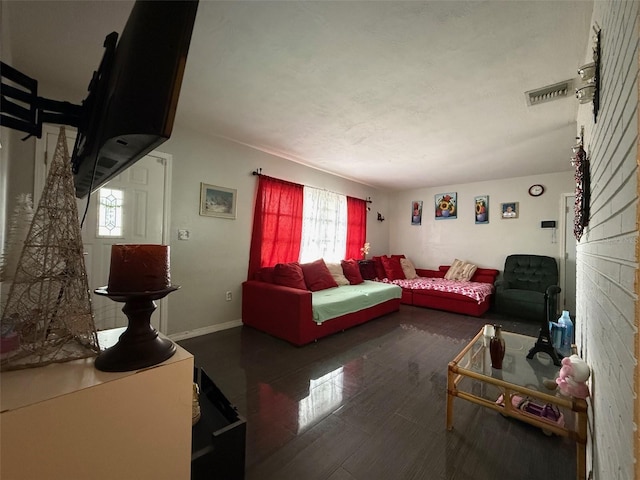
(607, 255)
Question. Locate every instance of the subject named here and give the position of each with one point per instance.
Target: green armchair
(526, 280)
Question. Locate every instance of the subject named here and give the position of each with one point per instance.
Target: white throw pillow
(336, 272)
(408, 269)
(454, 270)
(467, 271)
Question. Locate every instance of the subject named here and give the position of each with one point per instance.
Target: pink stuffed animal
(573, 376)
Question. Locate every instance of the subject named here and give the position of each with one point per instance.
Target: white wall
(5, 50)
(5, 141)
(215, 259)
(439, 242)
(607, 255)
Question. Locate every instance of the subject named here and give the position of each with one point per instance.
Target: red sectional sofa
(286, 312)
(450, 301)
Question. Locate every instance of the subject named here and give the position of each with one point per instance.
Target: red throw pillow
(317, 276)
(367, 270)
(265, 274)
(377, 261)
(351, 270)
(393, 268)
(289, 275)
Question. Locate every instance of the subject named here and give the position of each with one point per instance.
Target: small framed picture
(446, 206)
(509, 210)
(416, 212)
(217, 201)
(482, 208)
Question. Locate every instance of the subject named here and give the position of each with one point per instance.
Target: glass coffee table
(517, 390)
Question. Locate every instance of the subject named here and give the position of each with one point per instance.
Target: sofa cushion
(468, 269)
(351, 270)
(317, 276)
(408, 269)
(454, 270)
(367, 269)
(338, 275)
(377, 261)
(265, 274)
(289, 275)
(393, 268)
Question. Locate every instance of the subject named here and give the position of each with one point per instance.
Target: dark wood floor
(369, 403)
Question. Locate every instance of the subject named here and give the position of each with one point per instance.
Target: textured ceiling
(394, 94)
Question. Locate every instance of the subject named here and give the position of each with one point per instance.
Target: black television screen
(133, 95)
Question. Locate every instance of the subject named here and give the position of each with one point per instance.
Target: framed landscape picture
(217, 201)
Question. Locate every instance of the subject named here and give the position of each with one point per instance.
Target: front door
(128, 209)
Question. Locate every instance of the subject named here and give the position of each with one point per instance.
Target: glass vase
(497, 348)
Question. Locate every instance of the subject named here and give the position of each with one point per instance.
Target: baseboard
(204, 330)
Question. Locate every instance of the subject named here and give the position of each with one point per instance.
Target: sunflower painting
(446, 206)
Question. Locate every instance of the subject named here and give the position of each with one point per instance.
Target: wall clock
(536, 190)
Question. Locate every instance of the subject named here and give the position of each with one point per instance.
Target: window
(293, 223)
(324, 226)
(110, 212)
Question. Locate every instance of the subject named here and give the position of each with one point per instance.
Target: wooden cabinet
(70, 421)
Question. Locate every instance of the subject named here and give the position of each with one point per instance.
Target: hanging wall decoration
(217, 201)
(589, 90)
(509, 209)
(583, 190)
(416, 212)
(482, 208)
(446, 206)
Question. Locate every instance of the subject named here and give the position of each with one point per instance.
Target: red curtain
(356, 227)
(277, 224)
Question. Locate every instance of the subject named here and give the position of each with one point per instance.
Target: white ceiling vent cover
(549, 93)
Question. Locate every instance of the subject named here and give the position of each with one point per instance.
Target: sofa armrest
(551, 301)
(423, 272)
(501, 285)
(485, 275)
(267, 305)
(553, 290)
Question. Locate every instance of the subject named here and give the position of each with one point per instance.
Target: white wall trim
(562, 230)
(205, 330)
(166, 225)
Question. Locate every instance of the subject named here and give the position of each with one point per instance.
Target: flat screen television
(133, 96)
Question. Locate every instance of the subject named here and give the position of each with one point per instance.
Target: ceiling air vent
(549, 93)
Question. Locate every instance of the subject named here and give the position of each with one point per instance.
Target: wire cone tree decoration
(18, 229)
(49, 304)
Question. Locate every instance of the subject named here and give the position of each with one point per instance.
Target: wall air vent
(549, 93)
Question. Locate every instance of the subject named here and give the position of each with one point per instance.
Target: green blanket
(338, 301)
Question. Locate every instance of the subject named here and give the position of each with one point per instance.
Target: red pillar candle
(139, 268)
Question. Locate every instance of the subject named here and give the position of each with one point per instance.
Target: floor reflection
(369, 404)
(325, 394)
